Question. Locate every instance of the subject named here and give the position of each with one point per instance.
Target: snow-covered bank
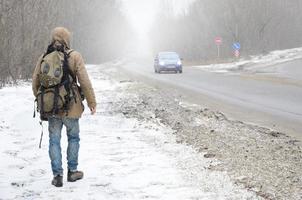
(122, 158)
(255, 62)
(264, 160)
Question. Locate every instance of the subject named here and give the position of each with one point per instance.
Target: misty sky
(142, 13)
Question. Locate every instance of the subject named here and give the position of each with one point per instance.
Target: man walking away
(59, 100)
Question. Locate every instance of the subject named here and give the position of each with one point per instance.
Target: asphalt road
(265, 99)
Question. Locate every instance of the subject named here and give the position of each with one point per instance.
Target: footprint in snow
(12, 153)
(30, 194)
(18, 184)
(16, 167)
(37, 173)
(31, 159)
(101, 185)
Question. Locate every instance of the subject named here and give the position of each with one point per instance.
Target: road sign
(218, 40)
(236, 46)
(237, 53)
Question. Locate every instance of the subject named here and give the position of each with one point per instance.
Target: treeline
(259, 25)
(99, 29)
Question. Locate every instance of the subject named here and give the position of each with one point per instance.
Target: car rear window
(168, 56)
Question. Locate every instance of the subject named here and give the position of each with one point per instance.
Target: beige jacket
(77, 67)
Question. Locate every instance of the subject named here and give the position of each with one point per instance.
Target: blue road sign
(236, 46)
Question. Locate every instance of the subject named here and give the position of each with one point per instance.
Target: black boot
(74, 176)
(57, 181)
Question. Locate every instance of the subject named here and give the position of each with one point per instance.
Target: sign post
(237, 53)
(218, 42)
(236, 46)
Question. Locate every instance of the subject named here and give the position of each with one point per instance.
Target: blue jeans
(55, 126)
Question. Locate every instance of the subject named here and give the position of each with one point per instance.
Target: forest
(102, 32)
(99, 31)
(259, 26)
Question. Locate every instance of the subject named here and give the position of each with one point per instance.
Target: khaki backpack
(55, 93)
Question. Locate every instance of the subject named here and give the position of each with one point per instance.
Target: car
(167, 61)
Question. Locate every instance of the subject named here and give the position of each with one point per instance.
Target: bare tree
(259, 25)
(99, 28)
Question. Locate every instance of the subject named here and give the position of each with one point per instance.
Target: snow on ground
(122, 158)
(255, 62)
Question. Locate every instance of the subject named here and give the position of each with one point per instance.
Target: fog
(109, 30)
(143, 15)
(259, 26)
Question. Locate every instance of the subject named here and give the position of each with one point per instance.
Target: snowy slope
(122, 158)
(273, 58)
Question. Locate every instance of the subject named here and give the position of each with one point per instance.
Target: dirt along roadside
(123, 157)
(266, 162)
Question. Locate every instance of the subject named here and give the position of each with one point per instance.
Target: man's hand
(93, 110)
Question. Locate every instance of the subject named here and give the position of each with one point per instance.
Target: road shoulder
(265, 161)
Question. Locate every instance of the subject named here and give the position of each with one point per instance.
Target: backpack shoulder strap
(50, 48)
(69, 51)
(66, 64)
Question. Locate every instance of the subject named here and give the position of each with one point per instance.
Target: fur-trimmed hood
(62, 35)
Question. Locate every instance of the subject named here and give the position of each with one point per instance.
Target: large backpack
(55, 93)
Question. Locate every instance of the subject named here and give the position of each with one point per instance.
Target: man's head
(62, 35)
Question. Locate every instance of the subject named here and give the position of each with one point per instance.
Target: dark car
(167, 61)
